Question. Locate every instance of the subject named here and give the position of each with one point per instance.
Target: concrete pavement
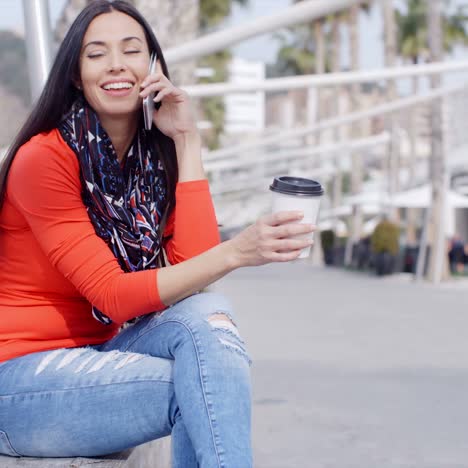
(354, 371)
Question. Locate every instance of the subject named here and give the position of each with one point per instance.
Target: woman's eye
(132, 51)
(95, 55)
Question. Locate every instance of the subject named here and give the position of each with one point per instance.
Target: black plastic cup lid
(297, 186)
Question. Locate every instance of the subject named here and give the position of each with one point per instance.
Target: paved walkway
(354, 371)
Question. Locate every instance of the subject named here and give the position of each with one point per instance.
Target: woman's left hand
(174, 118)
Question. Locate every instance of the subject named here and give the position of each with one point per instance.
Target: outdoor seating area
(378, 256)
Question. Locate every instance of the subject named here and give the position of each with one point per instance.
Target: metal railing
(326, 80)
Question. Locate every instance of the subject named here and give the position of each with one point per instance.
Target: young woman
(92, 204)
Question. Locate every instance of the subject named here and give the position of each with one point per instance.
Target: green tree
(296, 54)
(413, 30)
(212, 14)
(313, 47)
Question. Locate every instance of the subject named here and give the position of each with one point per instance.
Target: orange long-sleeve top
(53, 265)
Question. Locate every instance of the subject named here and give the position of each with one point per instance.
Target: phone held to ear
(148, 103)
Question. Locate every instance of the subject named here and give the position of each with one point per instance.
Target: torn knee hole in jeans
(228, 334)
(223, 322)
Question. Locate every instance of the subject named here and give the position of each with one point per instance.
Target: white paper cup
(297, 194)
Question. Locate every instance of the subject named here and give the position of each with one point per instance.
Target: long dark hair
(60, 92)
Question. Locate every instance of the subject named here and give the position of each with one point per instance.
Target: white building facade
(245, 112)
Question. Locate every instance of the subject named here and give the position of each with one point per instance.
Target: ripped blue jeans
(184, 372)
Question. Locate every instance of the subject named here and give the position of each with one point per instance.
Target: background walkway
(353, 371)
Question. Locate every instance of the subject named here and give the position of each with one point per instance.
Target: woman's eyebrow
(102, 43)
(131, 38)
(99, 43)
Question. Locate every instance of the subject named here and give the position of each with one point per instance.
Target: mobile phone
(148, 103)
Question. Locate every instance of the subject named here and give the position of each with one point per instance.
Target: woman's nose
(116, 64)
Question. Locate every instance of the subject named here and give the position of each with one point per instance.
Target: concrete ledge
(155, 454)
(114, 460)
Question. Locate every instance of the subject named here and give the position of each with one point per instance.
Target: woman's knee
(206, 304)
(213, 312)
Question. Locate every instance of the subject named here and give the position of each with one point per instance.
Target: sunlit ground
(354, 371)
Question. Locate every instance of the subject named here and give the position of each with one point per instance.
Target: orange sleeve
(44, 185)
(192, 227)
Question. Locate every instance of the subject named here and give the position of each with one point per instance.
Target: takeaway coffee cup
(297, 194)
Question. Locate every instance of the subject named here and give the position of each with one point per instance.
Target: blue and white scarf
(125, 205)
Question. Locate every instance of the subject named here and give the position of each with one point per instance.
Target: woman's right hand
(271, 239)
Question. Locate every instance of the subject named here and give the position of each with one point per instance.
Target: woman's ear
(77, 82)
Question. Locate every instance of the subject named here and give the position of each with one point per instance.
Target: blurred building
(245, 112)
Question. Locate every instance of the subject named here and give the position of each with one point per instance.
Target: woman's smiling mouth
(118, 88)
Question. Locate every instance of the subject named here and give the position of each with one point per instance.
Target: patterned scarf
(125, 205)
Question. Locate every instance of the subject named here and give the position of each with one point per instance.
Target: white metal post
(438, 163)
(440, 230)
(38, 43)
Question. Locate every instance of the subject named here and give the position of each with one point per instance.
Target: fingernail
(300, 213)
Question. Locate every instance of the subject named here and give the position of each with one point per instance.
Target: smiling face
(114, 61)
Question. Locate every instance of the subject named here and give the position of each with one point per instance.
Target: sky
(262, 48)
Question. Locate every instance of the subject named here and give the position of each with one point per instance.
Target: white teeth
(118, 86)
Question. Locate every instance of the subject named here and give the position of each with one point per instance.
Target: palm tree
(312, 44)
(412, 41)
(412, 46)
(390, 52)
(438, 166)
(341, 183)
(319, 39)
(335, 53)
(305, 53)
(390, 35)
(296, 54)
(320, 68)
(413, 29)
(357, 168)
